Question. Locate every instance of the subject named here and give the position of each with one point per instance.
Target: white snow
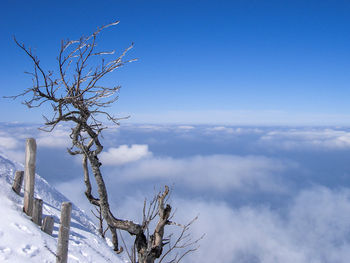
(22, 241)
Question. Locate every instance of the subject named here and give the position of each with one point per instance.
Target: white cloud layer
(58, 138)
(313, 228)
(10, 147)
(125, 154)
(8, 143)
(216, 172)
(311, 138)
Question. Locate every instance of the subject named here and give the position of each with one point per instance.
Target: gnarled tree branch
(76, 97)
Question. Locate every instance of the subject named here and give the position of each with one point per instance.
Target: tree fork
(76, 97)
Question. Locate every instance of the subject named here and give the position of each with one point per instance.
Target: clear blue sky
(264, 62)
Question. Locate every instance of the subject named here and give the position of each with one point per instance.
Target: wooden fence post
(63, 234)
(47, 226)
(29, 176)
(17, 182)
(37, 211)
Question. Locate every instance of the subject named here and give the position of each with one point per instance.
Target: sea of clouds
(262, 194)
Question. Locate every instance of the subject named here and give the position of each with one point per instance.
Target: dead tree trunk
(148, 250)
(30, 157)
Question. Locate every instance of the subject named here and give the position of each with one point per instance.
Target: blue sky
(238, 62)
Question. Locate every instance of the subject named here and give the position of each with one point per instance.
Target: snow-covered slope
(23, 241)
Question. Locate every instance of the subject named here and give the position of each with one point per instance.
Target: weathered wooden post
(17, 182)
(47, 226)
(37, 211)
(63, 234)
(29, 172)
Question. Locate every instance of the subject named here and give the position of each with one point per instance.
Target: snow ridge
(23, 241)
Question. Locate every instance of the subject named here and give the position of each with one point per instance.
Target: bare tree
(76, 97)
